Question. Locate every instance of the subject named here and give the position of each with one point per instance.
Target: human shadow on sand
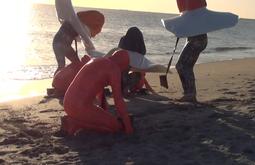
(170, 132)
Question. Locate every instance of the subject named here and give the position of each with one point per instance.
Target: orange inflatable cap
(93, 19)
(121, 58)
(187, 5)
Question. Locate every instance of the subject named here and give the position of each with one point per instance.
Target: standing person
(187, 59)
(84, 25)
(194, 23)
(189, 54)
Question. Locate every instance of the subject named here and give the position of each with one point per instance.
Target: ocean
(35, 60)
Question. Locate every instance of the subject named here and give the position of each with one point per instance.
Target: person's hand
(129, 130)
(128, 126)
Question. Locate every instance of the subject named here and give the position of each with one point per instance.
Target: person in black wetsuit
(187, 59)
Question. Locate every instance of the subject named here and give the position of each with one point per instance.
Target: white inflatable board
(139, 62)
(199, 21)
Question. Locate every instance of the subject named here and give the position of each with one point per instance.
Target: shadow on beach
(166, 132)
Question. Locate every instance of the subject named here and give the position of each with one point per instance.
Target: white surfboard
(140, 63)
(199, 21)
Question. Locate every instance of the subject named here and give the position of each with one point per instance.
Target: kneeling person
(79, 105)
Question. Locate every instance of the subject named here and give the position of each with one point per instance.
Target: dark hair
(133, 41)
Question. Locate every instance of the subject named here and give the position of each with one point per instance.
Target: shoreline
(13, 90)
(25, 89)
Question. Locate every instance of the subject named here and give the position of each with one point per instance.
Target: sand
(220, 129)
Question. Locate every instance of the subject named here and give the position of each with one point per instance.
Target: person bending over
(133, 82)
(82, 112)
(84, 25)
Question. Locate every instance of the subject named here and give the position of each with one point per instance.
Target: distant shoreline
(95, 8)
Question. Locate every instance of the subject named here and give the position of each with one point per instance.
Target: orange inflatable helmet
(121, 58)
(93, 19)
(187, 5)
(65, 76)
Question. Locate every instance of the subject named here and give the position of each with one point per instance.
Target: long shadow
(168, 132)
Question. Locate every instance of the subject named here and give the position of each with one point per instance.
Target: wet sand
(220, 129)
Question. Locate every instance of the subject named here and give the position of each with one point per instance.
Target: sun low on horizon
(16, 15)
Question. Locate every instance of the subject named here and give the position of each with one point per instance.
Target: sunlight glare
(15, 15)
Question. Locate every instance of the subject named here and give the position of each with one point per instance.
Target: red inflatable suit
(143, 82)
(186, 5)
(65, 76)
(82, 112)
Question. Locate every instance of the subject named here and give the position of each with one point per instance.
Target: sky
(243, 8)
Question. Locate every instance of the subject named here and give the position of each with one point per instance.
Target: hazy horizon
(239, 7)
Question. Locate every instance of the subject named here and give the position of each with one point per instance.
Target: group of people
(82, 82)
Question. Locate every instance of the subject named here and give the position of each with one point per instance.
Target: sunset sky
(244, 8)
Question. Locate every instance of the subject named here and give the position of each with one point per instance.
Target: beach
(217, 130)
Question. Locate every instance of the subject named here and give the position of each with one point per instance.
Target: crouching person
(63, 78)
(82, 112)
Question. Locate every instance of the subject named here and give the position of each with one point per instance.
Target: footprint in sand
(54, 117)
(242, 95)
(223, 89)
(226, 91)
(2, 161)
(224, 99)
(48, 110)
(250, 82)
(230, 107)
(251, 109)
(230, 83)
(33, 133)
(12, 140)
(252, 91)
(16, 120)
(230, 93)
(49, 148)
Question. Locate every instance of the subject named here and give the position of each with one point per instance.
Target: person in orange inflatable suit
(138, 88)
(82, 112)
(65, 76)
